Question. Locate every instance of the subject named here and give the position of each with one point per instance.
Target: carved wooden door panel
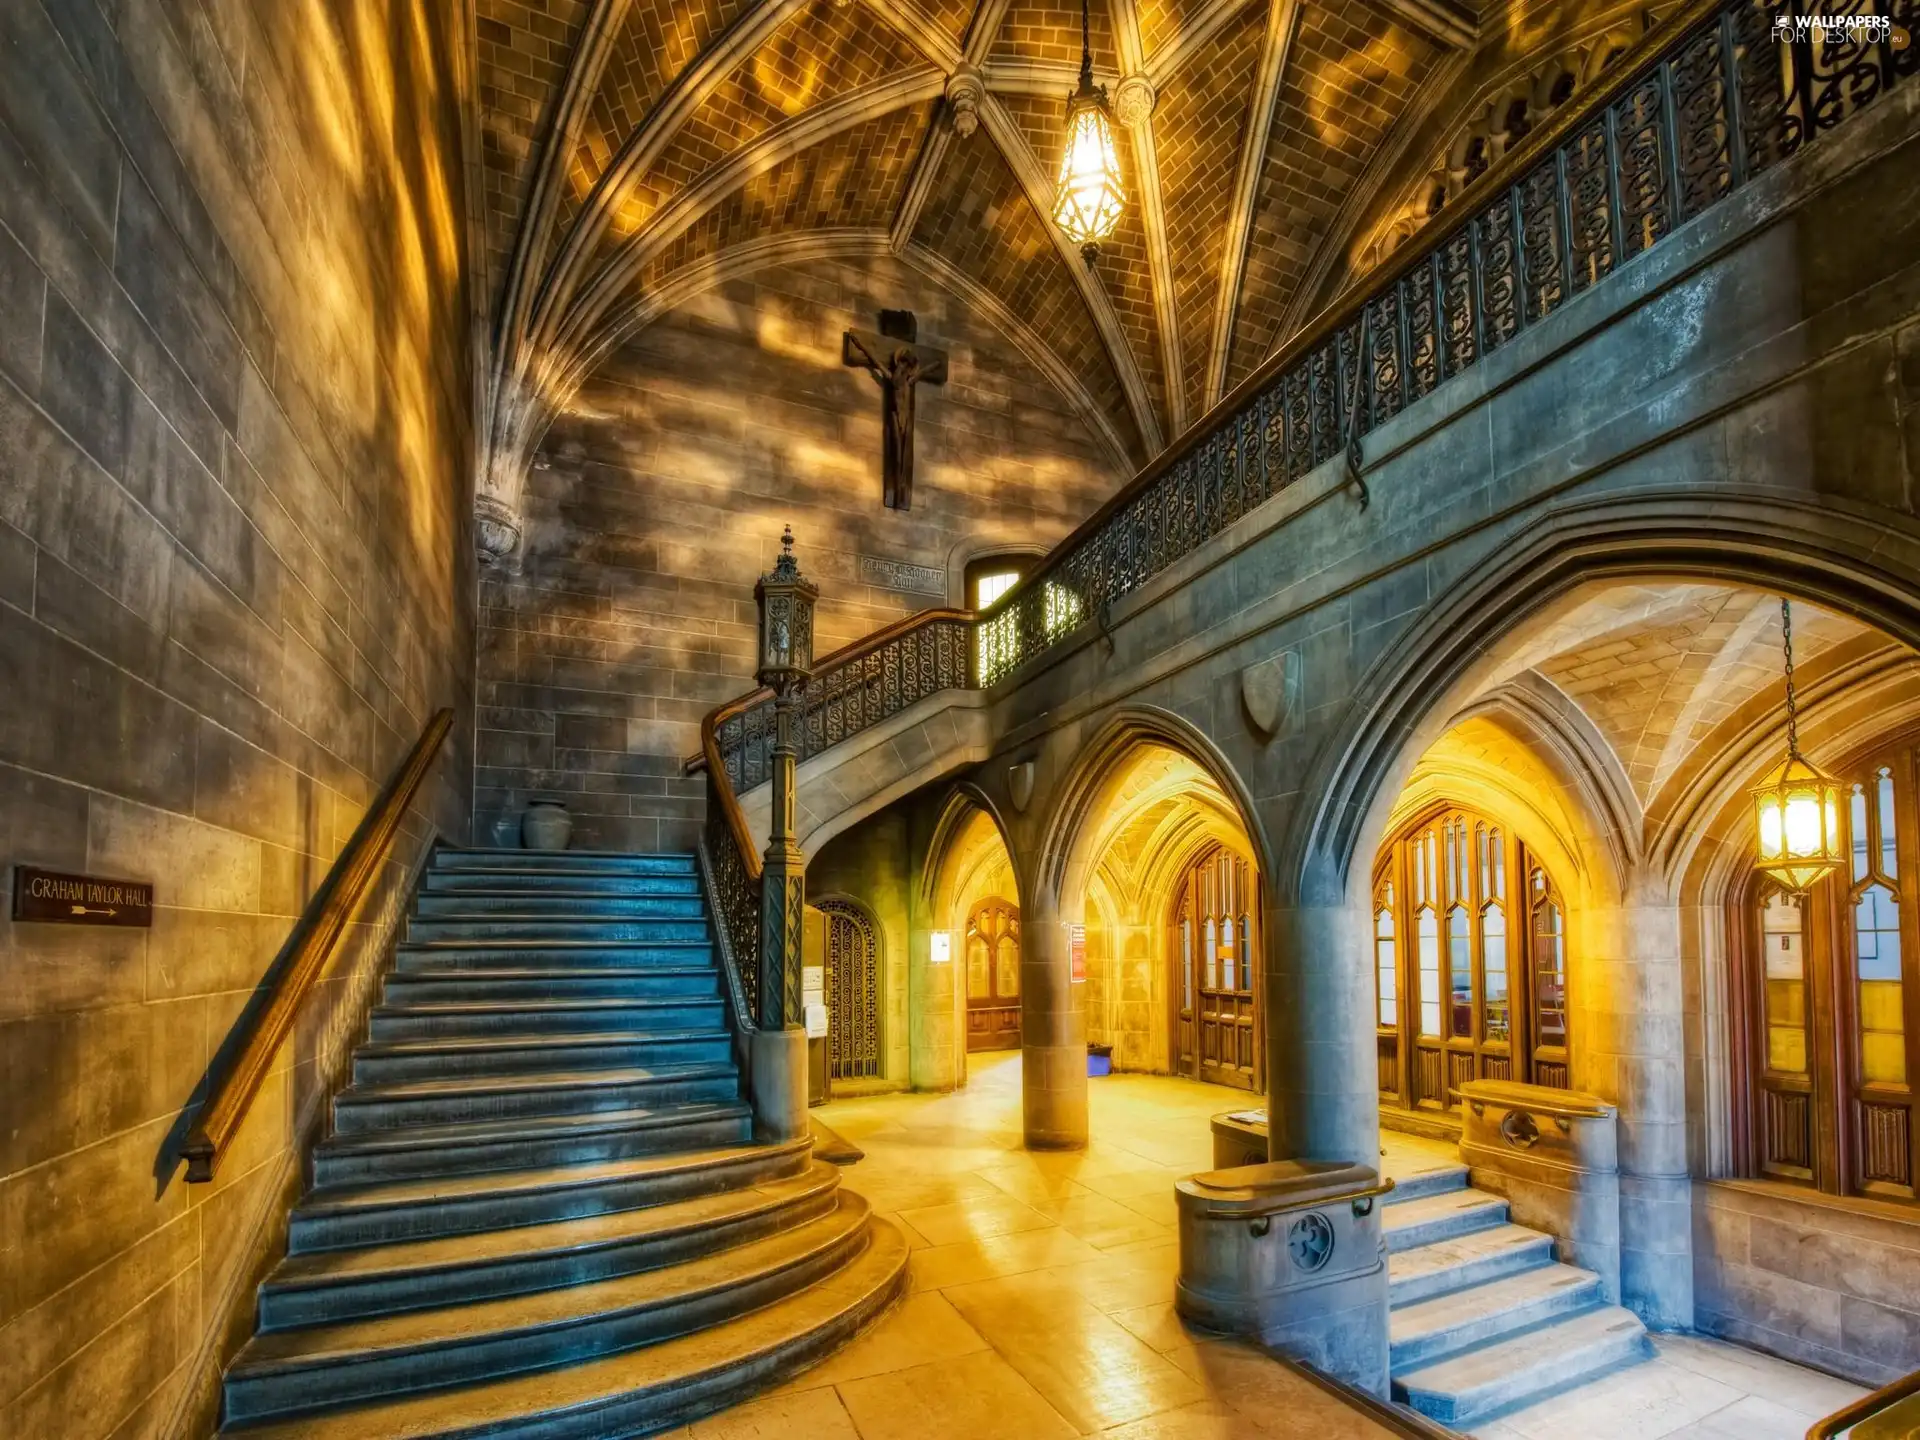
(993, 976)
(1216, 1006)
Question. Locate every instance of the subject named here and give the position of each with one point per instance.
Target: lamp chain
(1786, 645)
(1086, 47)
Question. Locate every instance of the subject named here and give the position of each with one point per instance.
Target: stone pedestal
(1552, 1155)
(779, 1083)
(1239, 1139)
(1291, 1253)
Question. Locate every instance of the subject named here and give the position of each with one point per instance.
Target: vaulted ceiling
(637, 151)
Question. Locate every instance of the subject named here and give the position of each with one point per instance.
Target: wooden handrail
(710, 758)
(1866, 1407)
(236, 1081)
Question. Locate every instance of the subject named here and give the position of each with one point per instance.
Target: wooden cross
(898, 365)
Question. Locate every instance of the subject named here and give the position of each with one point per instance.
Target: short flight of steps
(1483, 1318)
(542, 1210)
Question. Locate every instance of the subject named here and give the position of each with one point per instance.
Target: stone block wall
(658, 500)
(234, 584)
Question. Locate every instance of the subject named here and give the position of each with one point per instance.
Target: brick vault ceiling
(637, 151)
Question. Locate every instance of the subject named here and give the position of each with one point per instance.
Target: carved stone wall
(235, 583)
(660, 499)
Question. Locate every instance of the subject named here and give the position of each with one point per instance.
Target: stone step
(1429, 1330)
(522, 904)
(336, 1286)
(285, 1372)
(388, 1212)
(583, 862)
(1440, 1217)
(510, 984)
(1470, 1259)
(380, 1062)
(527, 955)
(420, 1019)
(1480, 1383)
(552, 879)
(360, 1108)
(529, 1143)
(1438, 1178)
(637, 1392)
(548, 928)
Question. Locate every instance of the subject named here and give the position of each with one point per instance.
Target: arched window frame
(1448, 880)
(1847, 1122)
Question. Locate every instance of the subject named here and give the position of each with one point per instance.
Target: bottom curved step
(637, 1392)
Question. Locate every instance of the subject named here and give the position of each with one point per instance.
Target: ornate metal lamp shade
(1797, 808)
(1089, 195)
(785, 599)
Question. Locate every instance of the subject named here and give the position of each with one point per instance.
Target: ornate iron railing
(850, 690)
(1723, 91)
(733, 882)
(1700, 107)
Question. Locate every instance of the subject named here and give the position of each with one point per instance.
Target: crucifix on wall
(898, 365)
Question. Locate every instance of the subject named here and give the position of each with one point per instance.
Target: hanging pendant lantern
(1088, 196)
(1797, 807)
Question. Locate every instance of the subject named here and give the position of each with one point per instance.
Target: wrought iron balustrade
(852, 689)
(1720, 93)
(1714, 98)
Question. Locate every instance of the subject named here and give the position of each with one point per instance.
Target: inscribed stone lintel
(902, 575)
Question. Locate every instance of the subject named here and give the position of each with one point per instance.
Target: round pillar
(1323, 1099)
(1053, 1037)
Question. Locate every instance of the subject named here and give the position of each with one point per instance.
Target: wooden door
(1216, 1006)
(993, 976)
(1470, 970)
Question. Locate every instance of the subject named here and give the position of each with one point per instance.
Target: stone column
(1628, 1035)
(1053, 1036)
(1323, 1099)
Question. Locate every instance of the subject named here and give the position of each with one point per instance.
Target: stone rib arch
(1062, 861)
(1833, 555)
(964, 801)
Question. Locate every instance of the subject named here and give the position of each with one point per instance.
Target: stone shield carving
(1270, 691)
(1020, 784)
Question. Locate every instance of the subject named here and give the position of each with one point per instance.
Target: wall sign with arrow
(52, 897)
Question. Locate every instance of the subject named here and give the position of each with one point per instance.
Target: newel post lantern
(785, 600)
(1797, 807)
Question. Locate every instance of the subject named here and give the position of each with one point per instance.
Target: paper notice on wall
(813, 984)
(816, 1021)
(1077, 948)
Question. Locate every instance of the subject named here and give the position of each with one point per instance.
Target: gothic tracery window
(1829, 991)
(1476, 992)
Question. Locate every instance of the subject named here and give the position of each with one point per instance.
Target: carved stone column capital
(496, 528)
(965, 90)
(1133, 100)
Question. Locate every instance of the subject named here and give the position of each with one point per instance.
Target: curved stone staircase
(1483, 1319)
(542, 1210)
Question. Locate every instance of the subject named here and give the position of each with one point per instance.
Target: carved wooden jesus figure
(898, 365)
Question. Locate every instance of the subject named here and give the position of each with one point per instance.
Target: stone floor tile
(1784, 1383)
(1089, 1368)
(1646, 1402)
(1255, 1385)
(974, 1397)
(920, 1329)
(1158, 1325)
(976, 1218)
(817, 1414)
(1749, 1418)
(1012, 1254)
